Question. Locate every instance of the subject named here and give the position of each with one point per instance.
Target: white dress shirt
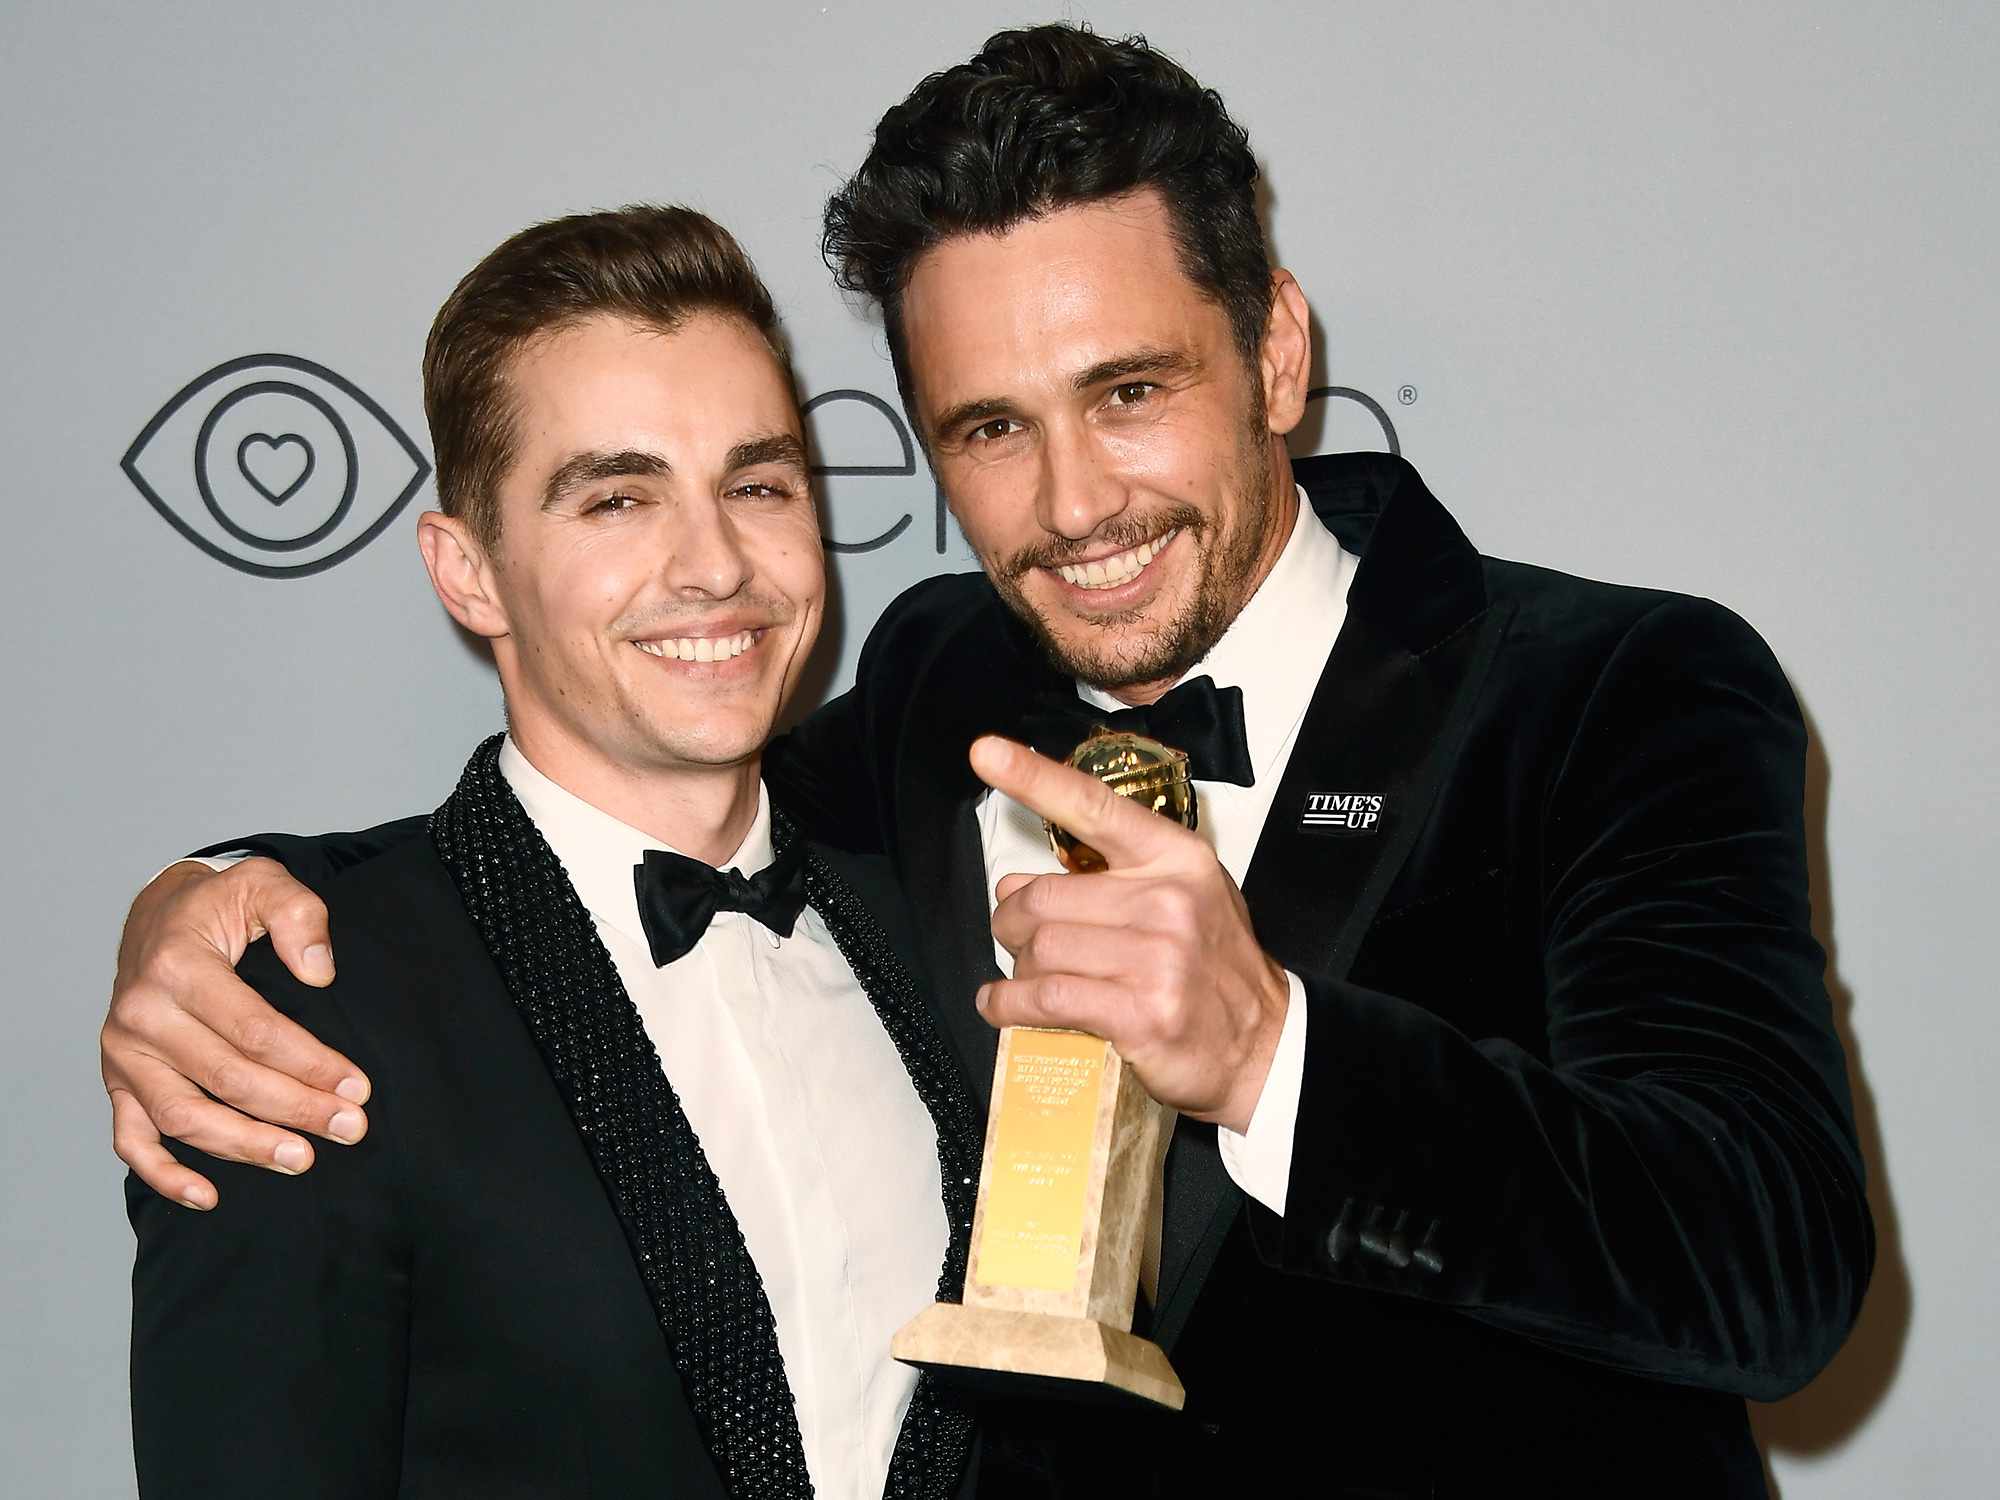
(827, 1156)
(1275, 651)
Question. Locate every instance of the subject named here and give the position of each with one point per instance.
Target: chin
(712, 746)
(718, 753)
(1143, 654)
(1088, 662)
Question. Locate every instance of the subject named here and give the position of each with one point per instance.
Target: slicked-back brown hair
(655, 264)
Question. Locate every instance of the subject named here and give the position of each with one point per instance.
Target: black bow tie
(678, 897)
(1198, 717)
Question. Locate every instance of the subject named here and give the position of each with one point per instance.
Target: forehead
(612, 380)
(1063, 290)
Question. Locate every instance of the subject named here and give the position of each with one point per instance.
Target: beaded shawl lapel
(688, 1246)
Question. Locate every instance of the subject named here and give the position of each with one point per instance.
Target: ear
(1286, 358)
(462, 574)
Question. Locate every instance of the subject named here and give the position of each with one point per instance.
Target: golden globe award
(1067, 1222)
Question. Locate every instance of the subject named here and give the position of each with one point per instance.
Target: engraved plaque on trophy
(1068, 1217)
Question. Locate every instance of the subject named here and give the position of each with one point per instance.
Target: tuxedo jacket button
(1375, 1233)
(1427, 1254)
(1397, 1252)
(1340, 1238)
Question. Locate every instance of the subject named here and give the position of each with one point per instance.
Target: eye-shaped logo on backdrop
(275, 465)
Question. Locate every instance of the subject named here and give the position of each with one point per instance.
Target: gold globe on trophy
(1133, 766)
(1067, 1222)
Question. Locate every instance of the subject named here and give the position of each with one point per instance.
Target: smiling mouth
(701, 647)
(1111, 572)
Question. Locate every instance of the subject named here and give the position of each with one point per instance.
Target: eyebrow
(582, 469)
(771, 448)
(1137, 362)
(1134, 362)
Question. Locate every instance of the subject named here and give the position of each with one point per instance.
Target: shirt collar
(1274, 649)
(598, 852)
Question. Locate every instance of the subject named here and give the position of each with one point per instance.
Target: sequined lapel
(688, 1246)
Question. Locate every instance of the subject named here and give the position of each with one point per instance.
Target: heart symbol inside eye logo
(273, 473)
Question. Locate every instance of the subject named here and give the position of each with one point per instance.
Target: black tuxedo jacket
(451, 1307)
(1575, 1167)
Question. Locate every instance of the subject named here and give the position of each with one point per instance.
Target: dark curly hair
(1043, 119)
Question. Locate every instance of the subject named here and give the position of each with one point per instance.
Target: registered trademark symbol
(1407, 395)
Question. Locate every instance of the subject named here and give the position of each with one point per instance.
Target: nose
(707, 557)
(1078, 490)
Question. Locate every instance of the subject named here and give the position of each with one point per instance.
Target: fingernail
(195, 1201)
(353, 1090)
(292, 1156)
(319, 961)
(979, 1000)
(345, 1126)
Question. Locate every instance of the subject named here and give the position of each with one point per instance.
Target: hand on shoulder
(190, 1051)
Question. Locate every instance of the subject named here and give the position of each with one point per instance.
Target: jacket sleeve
(270, 1334)
(1676, 1189)
(315, 859)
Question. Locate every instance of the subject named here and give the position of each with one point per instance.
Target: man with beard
(1512, 1112)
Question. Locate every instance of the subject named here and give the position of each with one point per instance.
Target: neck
(702, 811)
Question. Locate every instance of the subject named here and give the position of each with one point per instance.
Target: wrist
(161, 890)
(1274, 996)
(177, 875)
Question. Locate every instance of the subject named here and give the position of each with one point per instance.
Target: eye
(275, 465)
(763, 489)
(612, 505)
(994, 430)
(1132, 392)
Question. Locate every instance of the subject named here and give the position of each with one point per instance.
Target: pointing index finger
(1125, 833)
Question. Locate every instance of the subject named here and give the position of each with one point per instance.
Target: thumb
(295, 919)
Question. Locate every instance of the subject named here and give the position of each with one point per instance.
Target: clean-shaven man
(667, 1145)
(1516, 1143)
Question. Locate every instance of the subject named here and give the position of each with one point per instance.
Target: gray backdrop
(1696, 296)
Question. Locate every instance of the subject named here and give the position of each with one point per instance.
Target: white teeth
(701, 647)
(1108, 572)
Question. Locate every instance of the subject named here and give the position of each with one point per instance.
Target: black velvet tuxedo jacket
(450, 1308)
(1575, 1167)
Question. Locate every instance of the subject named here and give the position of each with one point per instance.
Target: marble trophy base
(1066, 1228)
(1001, 1352)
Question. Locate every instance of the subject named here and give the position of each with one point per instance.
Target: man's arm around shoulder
(186, 1046)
